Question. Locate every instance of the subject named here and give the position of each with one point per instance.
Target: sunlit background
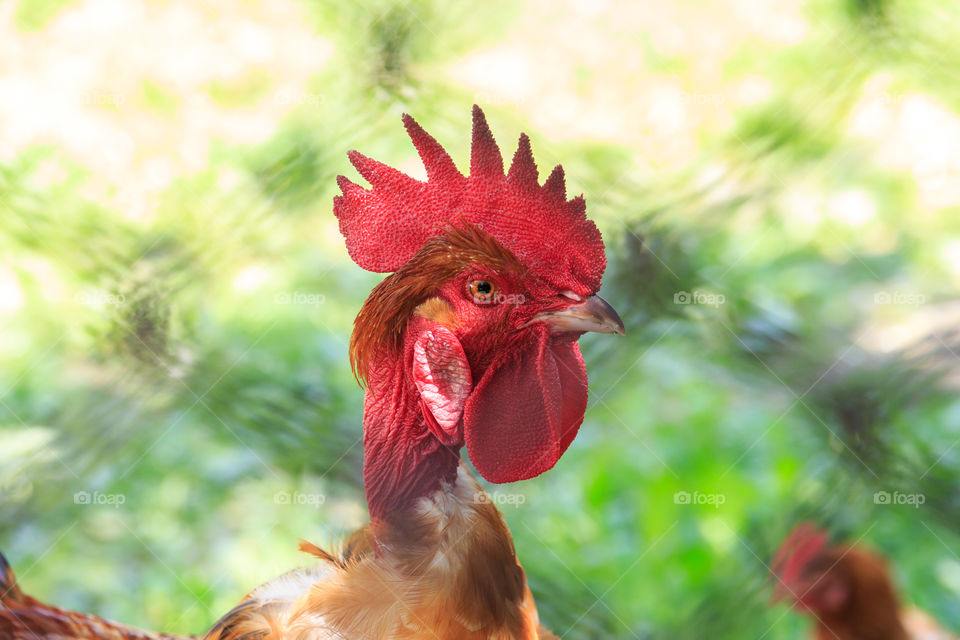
(779, 188)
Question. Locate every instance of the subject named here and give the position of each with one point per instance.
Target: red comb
(803, 544)
(384, 226)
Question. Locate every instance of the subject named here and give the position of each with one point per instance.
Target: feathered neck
(402, 460)
(449, 569)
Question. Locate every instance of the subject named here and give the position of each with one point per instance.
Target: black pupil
(484, 288)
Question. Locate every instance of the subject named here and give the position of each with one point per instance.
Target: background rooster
(471, 341)
(847, 590)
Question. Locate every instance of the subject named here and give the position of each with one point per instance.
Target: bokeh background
(779, 188)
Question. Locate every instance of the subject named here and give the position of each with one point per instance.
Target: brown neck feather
(450, 563)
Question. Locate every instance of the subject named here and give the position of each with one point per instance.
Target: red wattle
(525, 412)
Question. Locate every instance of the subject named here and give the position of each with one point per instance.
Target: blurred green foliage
(196, 364)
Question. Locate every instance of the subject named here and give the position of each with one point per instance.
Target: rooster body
(471, 341)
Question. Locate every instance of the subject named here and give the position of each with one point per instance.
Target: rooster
(847, 590)
(472, 340)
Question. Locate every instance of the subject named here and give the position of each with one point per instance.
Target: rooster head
(813, 575)
(493, 279)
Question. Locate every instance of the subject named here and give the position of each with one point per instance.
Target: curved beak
(593, 314)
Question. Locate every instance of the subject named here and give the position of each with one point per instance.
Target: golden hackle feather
(449, 571)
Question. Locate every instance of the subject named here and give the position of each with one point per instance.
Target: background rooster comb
(384, 226)
(803, 544)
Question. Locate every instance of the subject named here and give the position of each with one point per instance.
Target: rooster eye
(483, 291)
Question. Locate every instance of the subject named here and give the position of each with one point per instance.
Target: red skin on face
(527, 402)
